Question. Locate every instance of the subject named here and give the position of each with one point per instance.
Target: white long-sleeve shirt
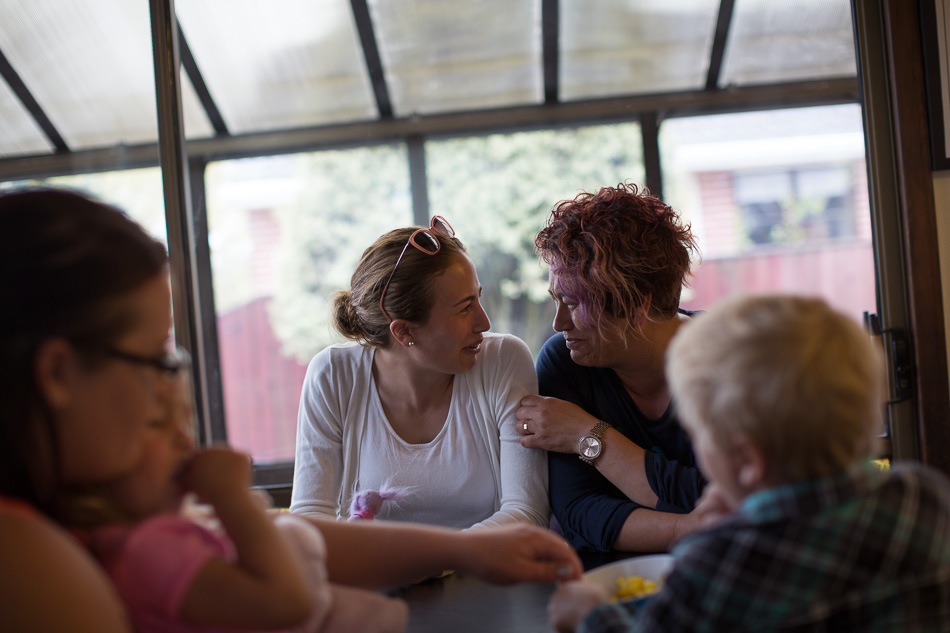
(474, 472)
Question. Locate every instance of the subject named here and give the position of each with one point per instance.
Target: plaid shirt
(866, 551)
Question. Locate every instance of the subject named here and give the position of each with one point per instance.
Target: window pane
(279, 64)
(89, 66)
(19, 132)
(753, 188)
(772, 41)
(779, 202)
(138, 192)
(285, 232)
(442, 57)
(611, 48)
(498, 190)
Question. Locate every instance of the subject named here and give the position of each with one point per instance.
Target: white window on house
(778, 201)
(795, 205)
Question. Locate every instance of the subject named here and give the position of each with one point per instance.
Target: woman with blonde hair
(422, 399)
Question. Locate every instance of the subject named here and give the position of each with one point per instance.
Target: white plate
(653, 567)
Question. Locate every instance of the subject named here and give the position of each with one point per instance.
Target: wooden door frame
(903, 51)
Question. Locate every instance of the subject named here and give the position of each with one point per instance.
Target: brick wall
(721, 227)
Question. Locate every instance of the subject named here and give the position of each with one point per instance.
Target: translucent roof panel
(454, 56)
(612, 48)
(763, 139)
(89, 66)
(19, 133)
(279, 64)
(774, 41)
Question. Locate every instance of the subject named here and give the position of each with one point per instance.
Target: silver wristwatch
(592, 445)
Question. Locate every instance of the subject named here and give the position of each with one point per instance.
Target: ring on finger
(525, 427)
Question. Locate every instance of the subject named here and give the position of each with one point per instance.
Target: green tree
(498, 190)
(495, 190)
(351, 197)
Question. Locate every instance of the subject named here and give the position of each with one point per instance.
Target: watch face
(590, 447)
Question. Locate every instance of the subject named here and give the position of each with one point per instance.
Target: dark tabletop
(460, 604)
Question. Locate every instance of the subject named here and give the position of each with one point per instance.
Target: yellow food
(629, 587)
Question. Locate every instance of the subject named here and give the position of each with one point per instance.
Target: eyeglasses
(425, 241)
(171, 363)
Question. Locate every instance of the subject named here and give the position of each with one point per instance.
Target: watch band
(597, 432)
(599, 429)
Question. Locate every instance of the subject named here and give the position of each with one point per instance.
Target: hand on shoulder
(552, 424)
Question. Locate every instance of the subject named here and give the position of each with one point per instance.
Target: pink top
(153, 564)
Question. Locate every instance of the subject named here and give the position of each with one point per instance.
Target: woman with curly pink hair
(622, 471)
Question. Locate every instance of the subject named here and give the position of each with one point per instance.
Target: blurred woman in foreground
(84, 330)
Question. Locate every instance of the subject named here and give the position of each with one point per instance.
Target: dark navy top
(590, 510)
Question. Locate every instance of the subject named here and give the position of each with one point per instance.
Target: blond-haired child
(781, 396)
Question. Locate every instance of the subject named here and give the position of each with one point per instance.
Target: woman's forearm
(376, 555)
(516, 513)
(651, 531)
(623, 464)
(385, 554)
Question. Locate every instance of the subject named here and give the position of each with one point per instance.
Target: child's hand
(215, 473)
(713, 505)
(571, 603)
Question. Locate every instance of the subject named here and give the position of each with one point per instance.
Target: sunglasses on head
(426, 241)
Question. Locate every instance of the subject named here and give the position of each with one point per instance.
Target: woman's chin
(581, 358)
(466, 363)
